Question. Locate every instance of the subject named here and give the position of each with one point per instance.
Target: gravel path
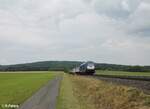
(142, 85)
(45, 98)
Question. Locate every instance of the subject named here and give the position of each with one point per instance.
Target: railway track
(140, 78)
(142, 83)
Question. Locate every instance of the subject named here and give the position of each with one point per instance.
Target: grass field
(78, 92)
(122, 73)
(17, 87)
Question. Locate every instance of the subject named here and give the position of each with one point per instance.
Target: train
(87, 68)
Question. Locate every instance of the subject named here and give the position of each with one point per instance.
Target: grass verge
(78, 92)
(66, 98)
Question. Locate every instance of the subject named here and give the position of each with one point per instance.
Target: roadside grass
(78, 92)
(66, 98)
(122, 73)
(15, 88)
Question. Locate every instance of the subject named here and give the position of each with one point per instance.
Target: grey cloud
(139, 20)
(98, 30)
(118, 9)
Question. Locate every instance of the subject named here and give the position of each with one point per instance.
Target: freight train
(87, 68)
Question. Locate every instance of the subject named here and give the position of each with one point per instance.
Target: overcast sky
(105, 31)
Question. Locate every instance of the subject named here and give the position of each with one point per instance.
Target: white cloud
(139, 20)
(103, 31)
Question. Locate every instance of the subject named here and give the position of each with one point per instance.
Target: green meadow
(122, 73)
(16, 87)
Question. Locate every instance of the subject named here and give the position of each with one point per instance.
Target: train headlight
(90, 67)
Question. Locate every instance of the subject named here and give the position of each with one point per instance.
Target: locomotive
(87, 68)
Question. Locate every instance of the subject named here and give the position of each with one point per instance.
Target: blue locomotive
(87, 68)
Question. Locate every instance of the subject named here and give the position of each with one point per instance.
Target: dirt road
(45, 98)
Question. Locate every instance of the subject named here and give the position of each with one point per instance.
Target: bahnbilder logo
(9, 106)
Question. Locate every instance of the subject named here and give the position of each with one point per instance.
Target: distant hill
(40, 66)
(62, 65)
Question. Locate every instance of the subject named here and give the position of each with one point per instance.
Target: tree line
(68, 65)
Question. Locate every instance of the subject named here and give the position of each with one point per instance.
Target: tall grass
(86, 93)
